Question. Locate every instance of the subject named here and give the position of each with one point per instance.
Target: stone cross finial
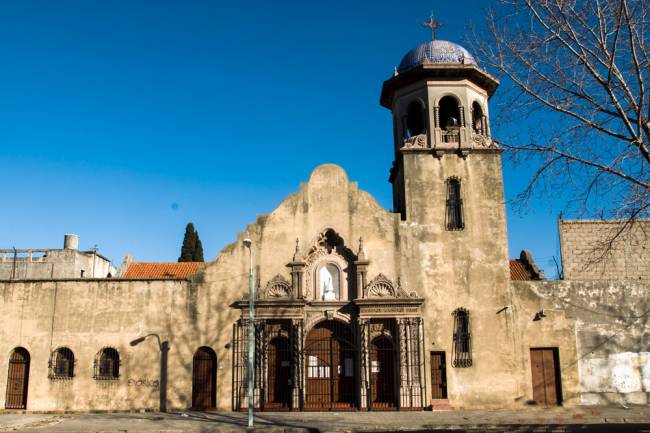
(433, 25)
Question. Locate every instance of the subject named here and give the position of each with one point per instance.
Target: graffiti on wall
(144, 382)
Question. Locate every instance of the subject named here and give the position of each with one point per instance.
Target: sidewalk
(584, 419)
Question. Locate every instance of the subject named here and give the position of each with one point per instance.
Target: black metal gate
(330, 367)
(382, 374)
(278, 387)
(17, 379)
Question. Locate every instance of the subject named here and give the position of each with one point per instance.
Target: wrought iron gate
(279, 375)
(382, 374)
(330, 367)
(17, 379)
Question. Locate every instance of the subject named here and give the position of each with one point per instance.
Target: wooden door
(17, 379)
(204, 384)
(279, 375)
(546, 376)
(438, 375)
(330, 367)
(382, 374)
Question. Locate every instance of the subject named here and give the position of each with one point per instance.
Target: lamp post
(163, 346)
(251, 331)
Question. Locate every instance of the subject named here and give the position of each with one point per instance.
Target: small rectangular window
(462, 347)
(454, 205)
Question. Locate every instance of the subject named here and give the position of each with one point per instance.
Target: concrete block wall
(587, 253)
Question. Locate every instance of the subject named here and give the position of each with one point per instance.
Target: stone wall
(587, 253)
(612, 332)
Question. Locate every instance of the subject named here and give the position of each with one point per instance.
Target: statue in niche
(328, 277)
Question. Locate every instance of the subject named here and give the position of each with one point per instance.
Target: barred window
(462, 347)
(107, 364)
(454, 205)
(61, 365)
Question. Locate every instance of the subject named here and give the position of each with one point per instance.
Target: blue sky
(122, 121)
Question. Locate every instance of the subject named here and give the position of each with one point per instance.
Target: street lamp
(251, 331)
(163, 346)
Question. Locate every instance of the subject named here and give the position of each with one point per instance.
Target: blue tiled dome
(436, 52)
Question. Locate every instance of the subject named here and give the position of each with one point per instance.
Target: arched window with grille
(455, 220)
(107, 364)
(462, 347)
(61, 364)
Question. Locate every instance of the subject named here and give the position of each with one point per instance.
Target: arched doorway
(204, 375)
(279, 374)
(17, 379)
(330, 367)
(382, 374)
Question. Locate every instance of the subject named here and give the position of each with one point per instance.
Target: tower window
(61, 364)
(107, 364)
(462, 356)
(415, 120)
(478, 119)
(454, 205)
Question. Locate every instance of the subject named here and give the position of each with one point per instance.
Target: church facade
(356, 307)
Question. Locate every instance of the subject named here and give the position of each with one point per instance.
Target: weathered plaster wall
(87, 315)
(587, 253)
(612, 334)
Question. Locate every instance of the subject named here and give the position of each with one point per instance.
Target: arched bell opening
(330, 367)
(415, 120)
(449, 110)
(478, 119)
(449, 119)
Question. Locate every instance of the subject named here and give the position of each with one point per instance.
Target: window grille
(107, 364)
(454, 205)
(61, 365)
(462, 347)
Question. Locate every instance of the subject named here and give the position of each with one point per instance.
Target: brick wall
(587, 253)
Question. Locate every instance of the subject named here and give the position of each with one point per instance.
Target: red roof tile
(171, 270)
(519, 271)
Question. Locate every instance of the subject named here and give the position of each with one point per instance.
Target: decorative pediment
(277, 287)
(380, 287)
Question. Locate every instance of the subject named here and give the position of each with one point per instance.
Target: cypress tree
(198, 251)
(189, 244)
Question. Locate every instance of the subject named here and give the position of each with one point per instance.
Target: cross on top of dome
(433, 25)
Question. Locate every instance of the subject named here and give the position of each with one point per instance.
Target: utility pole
(251, 331)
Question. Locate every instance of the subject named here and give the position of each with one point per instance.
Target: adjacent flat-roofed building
(51, 263)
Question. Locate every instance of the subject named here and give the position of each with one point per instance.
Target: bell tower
(448, 189)
(438, 96)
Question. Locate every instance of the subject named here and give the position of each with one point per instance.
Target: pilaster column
(297, 272)
(364, 355)
(297, 364)
(402, 337)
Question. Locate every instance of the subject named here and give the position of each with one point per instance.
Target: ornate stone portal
(382, 361)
